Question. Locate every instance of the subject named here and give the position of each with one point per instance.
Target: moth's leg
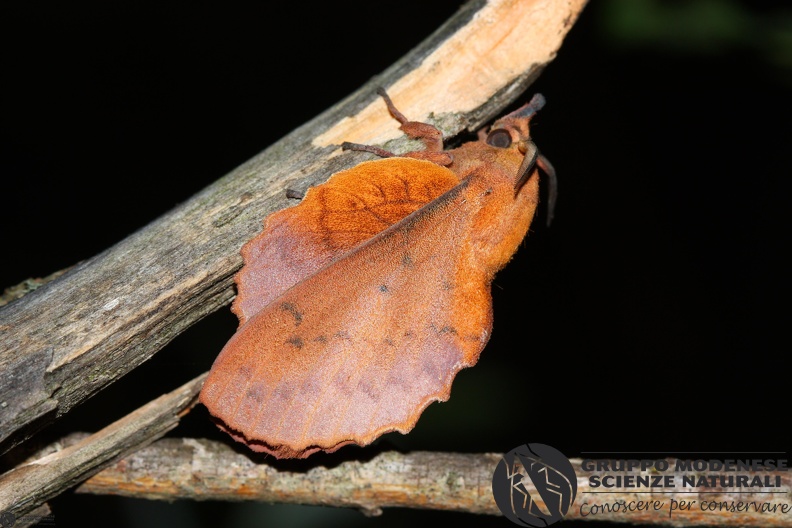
(429, 134)
(441, 158)
(295, 194)
(431, 137)
(382, 153)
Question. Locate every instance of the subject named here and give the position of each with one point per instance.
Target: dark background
(649, 317)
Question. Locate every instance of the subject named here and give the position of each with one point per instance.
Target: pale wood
(70, 338)
(183, 468)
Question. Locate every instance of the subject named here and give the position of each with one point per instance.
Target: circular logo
(534, 485)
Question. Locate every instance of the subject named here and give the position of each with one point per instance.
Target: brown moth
(358, 306)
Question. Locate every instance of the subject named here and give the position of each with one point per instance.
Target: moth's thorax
(501, 214)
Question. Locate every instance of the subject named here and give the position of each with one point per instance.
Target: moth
(358, 306)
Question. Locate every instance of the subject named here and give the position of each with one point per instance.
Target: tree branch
(176, 468)
(62, 465)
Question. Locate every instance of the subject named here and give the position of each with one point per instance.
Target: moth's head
(512, 131)
(513, 128)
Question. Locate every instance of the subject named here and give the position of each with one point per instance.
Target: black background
(649, 317)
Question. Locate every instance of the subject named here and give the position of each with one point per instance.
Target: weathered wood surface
(176, 468)
(67, 340)
(62, 466)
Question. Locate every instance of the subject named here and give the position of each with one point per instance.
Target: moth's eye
(499, 138)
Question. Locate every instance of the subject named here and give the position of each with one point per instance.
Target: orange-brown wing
(361, 347)
(333, 218)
